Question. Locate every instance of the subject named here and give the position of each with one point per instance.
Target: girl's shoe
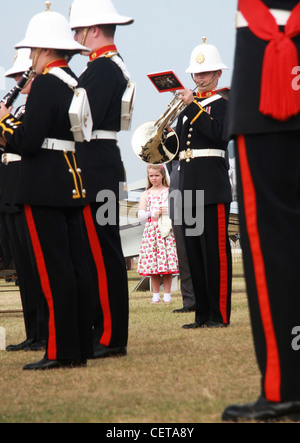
(155, 300)
(167, 298)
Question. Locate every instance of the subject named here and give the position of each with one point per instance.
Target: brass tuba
(155, 142)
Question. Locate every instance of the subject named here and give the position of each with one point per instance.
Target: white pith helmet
(50, 30)
(85, 13)
(21, 64)
(205, 58)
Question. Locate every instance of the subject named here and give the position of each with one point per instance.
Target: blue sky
(162, 38)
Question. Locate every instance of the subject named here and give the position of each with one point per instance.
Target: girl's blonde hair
(162, 170)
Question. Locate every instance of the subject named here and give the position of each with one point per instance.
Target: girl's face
(155, 177)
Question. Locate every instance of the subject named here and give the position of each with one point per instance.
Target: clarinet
(12, 95)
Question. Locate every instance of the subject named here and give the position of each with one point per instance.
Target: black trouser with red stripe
(109, 280)
(33, 302)
(269, 206)
(210, 264)
(57, 236)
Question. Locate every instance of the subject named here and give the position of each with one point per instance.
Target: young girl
(158, 255)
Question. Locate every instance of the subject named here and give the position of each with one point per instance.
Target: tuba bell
(156, 142)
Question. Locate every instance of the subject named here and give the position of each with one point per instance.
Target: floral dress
(158, 254)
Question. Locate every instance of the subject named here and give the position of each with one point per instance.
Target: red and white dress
(158, 254)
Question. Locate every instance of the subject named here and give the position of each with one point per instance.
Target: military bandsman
(51, 189)
(264, 120)
(105, 80)
(204, 167)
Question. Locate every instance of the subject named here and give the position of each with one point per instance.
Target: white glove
(143, 215)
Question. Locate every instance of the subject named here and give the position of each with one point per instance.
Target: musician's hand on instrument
(3, 110)
(186, 96)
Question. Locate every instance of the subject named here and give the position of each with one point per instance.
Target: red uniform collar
(205, 94)
(101, 51)
(59, 63)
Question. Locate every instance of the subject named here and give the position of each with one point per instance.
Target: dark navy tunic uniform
(102, 165)
(268, 186)
(209, 253)
(45, 117)
(103, 170)
(51, 189)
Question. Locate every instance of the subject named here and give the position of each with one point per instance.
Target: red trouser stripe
(273, 373)
(223, 262)
(101, 272)
(45, 283)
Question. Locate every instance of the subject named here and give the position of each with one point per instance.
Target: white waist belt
(195, 153)
(104, 135)
(8, 158)
(281, 16)
(58, 145)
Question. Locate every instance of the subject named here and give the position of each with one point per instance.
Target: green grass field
(170, 375)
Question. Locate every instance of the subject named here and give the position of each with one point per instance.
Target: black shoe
(214, 324)
(101, 351)
(193, 325)
(11, 278)
(45, 364)
(19, 347)
(184, 309)
(36, 346)
(262, 410)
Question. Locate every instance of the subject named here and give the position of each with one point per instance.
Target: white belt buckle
(188, 155)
